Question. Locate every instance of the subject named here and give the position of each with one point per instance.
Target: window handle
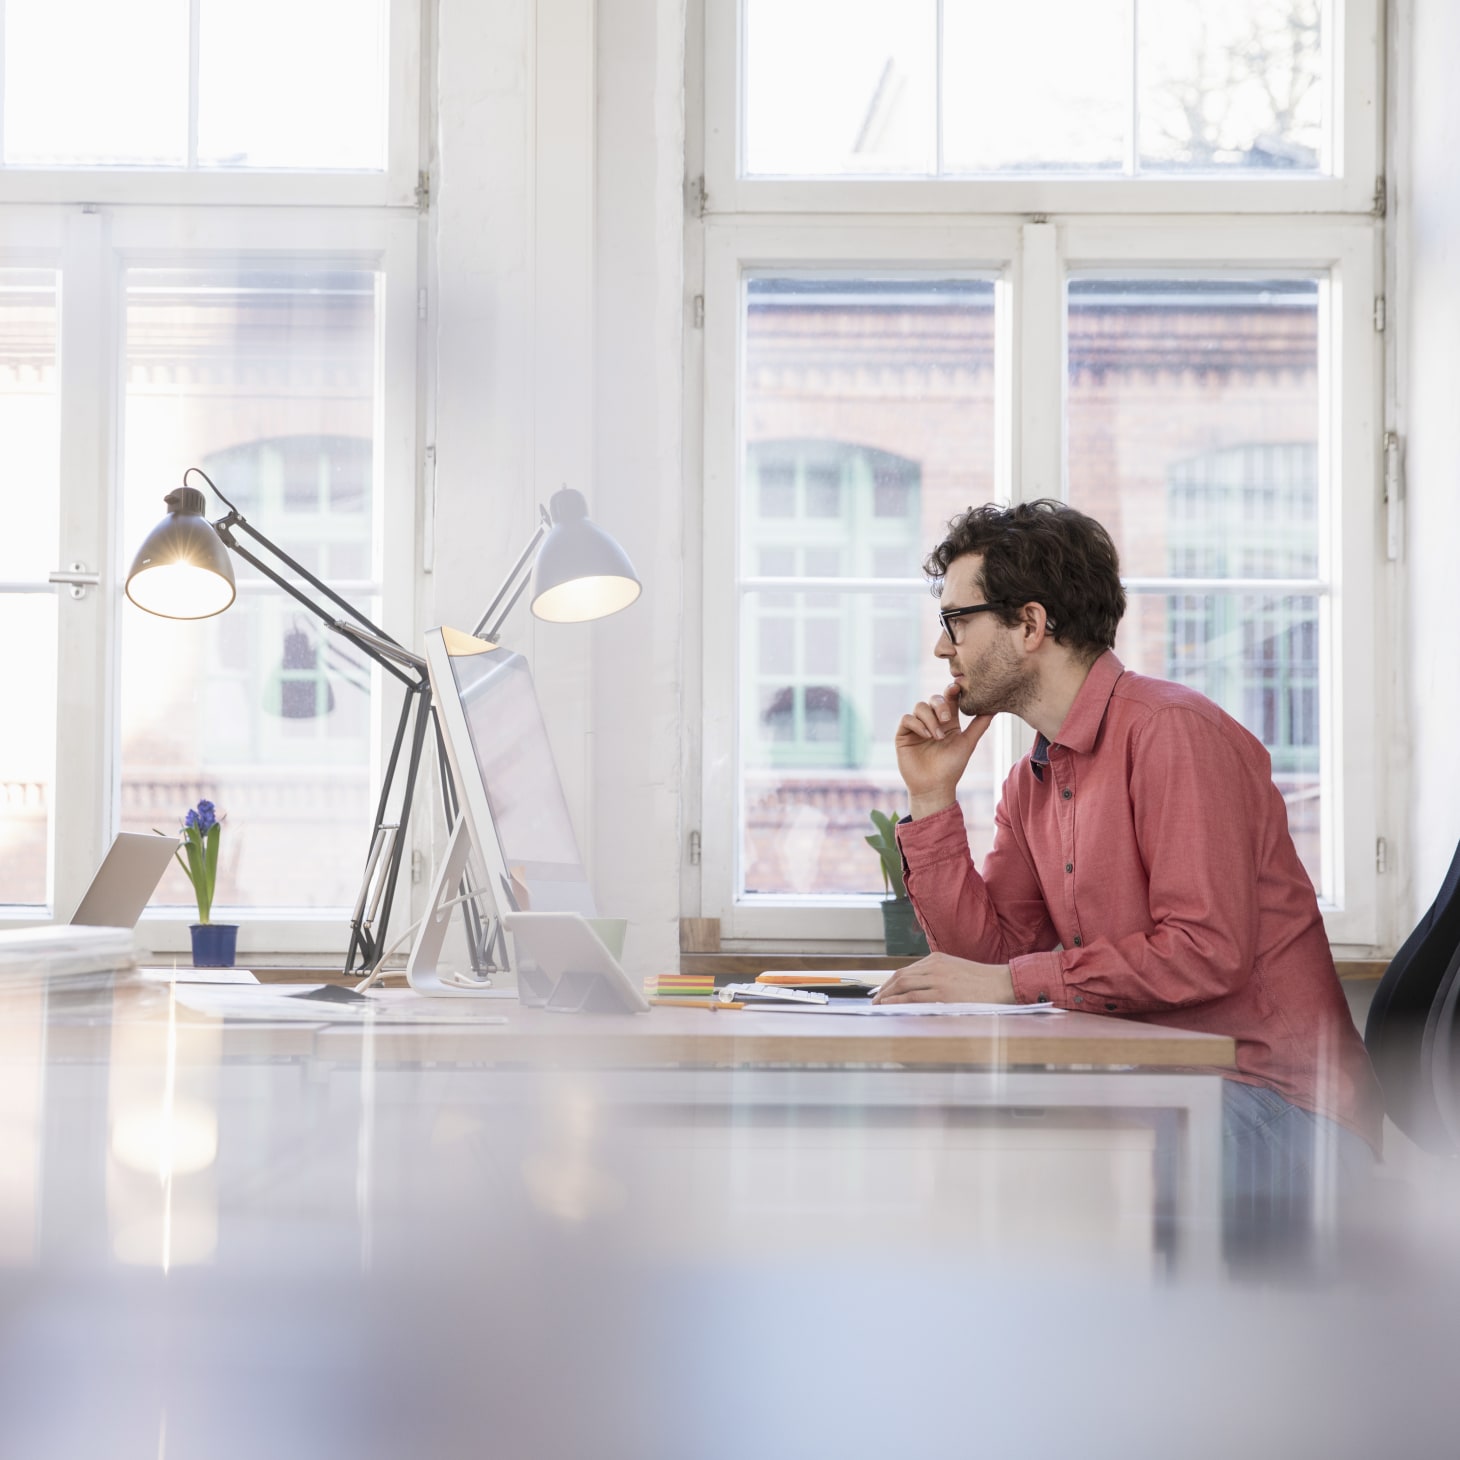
(76, 578)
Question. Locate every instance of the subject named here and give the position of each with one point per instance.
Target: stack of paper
(77, 954)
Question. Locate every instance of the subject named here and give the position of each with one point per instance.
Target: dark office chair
(1441, 1050)
(1412, 1027)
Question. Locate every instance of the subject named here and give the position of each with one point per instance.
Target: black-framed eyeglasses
(946, 616)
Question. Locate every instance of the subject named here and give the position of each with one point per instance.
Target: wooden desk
(1065, 1137)
(1134, 1108)
(741, 1037)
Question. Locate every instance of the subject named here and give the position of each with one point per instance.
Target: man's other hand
(942, 979)
(932, 752)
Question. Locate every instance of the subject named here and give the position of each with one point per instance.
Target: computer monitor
(506, 778)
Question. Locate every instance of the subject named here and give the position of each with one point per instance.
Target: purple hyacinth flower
(207, 815)
(192, 820)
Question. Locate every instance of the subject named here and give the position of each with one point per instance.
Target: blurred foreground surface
(244, 1241)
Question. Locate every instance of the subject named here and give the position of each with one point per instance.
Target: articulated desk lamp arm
(182, 571)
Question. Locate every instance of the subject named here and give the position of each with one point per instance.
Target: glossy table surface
(222, 1239)
(700, 1036)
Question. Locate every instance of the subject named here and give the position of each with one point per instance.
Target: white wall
(1427, 240)
(557, 231)
(640, 721)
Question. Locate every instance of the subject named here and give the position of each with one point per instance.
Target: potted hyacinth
(901, 932)
(214, 944)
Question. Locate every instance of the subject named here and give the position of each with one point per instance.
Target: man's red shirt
(1147, 870)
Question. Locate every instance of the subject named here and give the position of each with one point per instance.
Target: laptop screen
(125, 881)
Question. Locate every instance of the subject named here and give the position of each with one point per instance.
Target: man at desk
(1141, 864)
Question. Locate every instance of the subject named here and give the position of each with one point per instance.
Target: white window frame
(1034, 261)
(92, 247)
(732, 251)
(1357, 27)
(1034, 231)
(394, 186)
(1350, 410)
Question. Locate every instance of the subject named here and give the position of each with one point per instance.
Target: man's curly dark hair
(1041, 552)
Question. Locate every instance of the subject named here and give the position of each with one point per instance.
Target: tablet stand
(580, 992)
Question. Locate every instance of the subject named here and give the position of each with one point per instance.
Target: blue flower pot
(214, 944)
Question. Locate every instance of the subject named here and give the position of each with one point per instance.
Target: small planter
(901, 931)
(214, 944)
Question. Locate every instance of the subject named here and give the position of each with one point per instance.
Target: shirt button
(1077, 940)
(1067, 793)
(1069, 866)
(1079, 998)
(1111, 1007)
(1042, 999)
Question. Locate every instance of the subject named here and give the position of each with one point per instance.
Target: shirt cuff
(1039, 978)
(931, 838)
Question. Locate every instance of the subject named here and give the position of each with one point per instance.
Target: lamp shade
(581, 572)
(182, 569)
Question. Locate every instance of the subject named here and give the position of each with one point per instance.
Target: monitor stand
(423, 971)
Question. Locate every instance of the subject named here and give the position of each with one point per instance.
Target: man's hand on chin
(942, 979)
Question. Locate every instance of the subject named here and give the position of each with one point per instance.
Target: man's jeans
(1285, 1171)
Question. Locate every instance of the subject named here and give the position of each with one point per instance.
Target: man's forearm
(928, 803)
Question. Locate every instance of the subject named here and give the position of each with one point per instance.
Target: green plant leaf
(210, 865)
(890, 854)
(197, 873)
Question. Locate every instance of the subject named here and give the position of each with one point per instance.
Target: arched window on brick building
(830, 672)
(313, 491)
(1247, 512)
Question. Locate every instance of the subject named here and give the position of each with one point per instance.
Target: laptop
(125, 881)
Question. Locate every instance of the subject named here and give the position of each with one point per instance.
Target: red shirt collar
(1087, 714)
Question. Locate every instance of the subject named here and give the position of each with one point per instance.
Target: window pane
(121, 96)
(1258, 656)
(1114, 87)
(29, 462)
(293, 84)
(816, 737)
(29, 427)
(1235, 84)
(266, 381)
(1193, 422)
(839, 87)
(1193, 436)
(1033, 88)
(27, 746)
(869, 407)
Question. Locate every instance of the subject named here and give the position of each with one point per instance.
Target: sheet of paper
(866, 1009)
(185, 974)
(1002, 1009)
(273, 1004)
